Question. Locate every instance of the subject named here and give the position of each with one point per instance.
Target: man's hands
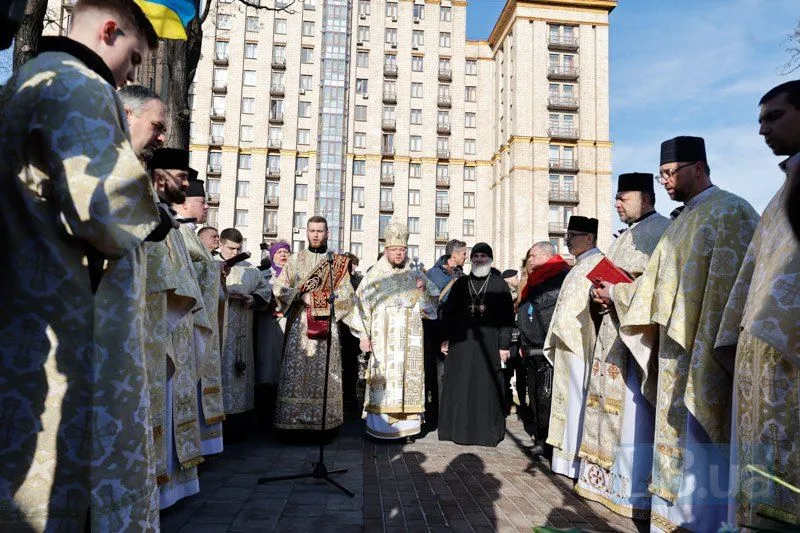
(247, 300)
(365, 345)
(602, 294)
(420, 284)
(504, 355)
(306, 297)
(445, 347)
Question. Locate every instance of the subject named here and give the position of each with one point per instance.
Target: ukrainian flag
(169, 17)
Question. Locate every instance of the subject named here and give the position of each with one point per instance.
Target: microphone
(330, 255)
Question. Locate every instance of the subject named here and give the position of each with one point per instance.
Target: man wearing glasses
(670, 319)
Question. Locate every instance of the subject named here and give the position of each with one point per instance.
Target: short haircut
(352, 257)
(135, 97)
(546, 247)
(791, 89)
(128, 12)
(316, 219)
(205, 230)
(453, 245)
(231, 234)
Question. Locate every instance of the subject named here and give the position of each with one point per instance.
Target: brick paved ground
(426, 486)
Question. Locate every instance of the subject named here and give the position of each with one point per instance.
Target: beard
(173, 195)
(481, 270)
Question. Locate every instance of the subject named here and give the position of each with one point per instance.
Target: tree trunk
(26, 40)
(181, 58)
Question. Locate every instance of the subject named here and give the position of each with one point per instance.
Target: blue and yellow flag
(169, 17)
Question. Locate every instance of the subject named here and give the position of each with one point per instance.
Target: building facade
(365, 111)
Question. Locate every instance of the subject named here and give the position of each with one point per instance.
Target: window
(440, 226)
(469, 120)
(249, 78)
(387, 168)
(306, 55)
(443, 143)
(303, 136)
(442, 172)
(299, 219)
(356, 222)
(273, 190)
(310, 5)
(416, 116)
(444, 64)
(220, 77)
(469, 173)
(469, 227)
(245, 161)
(469, 146)
(388, 113)
(213, 214)
(275, 133)
(359, 140)
(469, 199)
(471, 67)
(419, 11)
(358, 195)
(356, 249)
(443, 117)
(387, 144)
(361, 113)
(221, 50)
(248, 106)
(217, 129)
(363, 33)
(276, 107)
(223, 22)
(417, 63)
(270, 220)
(359, 167)
(445, 14)
(390, 60)
(242, 189)
(415, 170)
(280, 27)
(413, 197)
(413, 224)
(470, 92)
(416, 90)
(391, 36)
(444, 91)
(273, 163)
(362, 59)
(387, 196)
(215, 159)
(362, 85)
(363, 8)
(213, 186)
(251, 24)
(391, 9)
(300, 191)
(298, 246)
(279, 53)
(250, 50)
(383, 221)
(301, 164)
(240, 220)
(305, 82)
(389, 87)
(444, 39)
(304, 109)
(415, 143)
(418, 38)
(438, 251)
(218, 104)
(246, 133)
(413, 251)
(308, 28)
(276, 79)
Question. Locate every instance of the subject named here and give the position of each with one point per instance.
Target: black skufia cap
(196, 189)
(684, 148)
(636, 181)
(583, 224)
(169, 158)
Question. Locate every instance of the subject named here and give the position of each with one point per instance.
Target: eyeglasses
(664, 175)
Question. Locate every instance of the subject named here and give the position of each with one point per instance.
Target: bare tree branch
(256, 4)
(793, 47)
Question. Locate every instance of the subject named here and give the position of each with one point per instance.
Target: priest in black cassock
(478, 321)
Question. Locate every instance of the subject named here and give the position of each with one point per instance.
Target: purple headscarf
(274, 247)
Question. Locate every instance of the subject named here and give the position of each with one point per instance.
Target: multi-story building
(366, 111)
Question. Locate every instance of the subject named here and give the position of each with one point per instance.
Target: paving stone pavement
(427, 486)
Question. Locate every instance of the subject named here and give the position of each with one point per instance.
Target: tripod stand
(320, 470)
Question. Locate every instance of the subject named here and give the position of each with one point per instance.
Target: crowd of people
(661, 376)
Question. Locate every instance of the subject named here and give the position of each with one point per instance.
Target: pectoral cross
(477, 308)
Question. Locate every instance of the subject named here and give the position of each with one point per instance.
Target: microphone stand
(320, 470)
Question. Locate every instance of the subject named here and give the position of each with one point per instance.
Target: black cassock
(471, 403)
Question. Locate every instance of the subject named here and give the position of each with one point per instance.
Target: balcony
(442, 208)
(276, 118)
(274, 144)
(444, 101)
(389, 97)
(568, 165)
(568, 196)
(218, 113)
(563, 42)
(568, 103)
(390, 70)
(216, 140)
(214, 169)
(270, 231)
(445, 74)
(220, 87)
(271, 201)
(387, 151)
(443, 153)
(443, 128)
(221, 60)
(564, 133)
(277, 90)
(557, 227)
(389, 124)
(279, 63)
(387, 178)
(387, 207)
(273, 173)
(442, 236)
(213, 198)
(443, 181)
(562, 72)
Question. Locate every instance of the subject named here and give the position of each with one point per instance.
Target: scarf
(272, 250)
(555, 265)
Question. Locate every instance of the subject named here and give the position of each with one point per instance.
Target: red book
(605, 270)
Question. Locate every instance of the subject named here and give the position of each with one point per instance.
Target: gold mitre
(396, 234)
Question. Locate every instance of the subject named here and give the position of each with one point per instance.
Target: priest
(670, 320)
(302, 291)
(569, 345)
(478, 320)
(761, 329)
(617, 442)
(393, 299)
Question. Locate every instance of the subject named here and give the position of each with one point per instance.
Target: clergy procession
(660, 376)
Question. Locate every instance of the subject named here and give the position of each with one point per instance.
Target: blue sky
(689, 67)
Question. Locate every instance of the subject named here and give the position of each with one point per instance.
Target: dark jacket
(440, 277)
(536, 312)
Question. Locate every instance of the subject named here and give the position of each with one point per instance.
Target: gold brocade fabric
(73, 401)
(605, 399)
(301, 383)
(392, 309)
(684, 289)
(571, 334)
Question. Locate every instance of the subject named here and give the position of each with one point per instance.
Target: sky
(689, 67)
